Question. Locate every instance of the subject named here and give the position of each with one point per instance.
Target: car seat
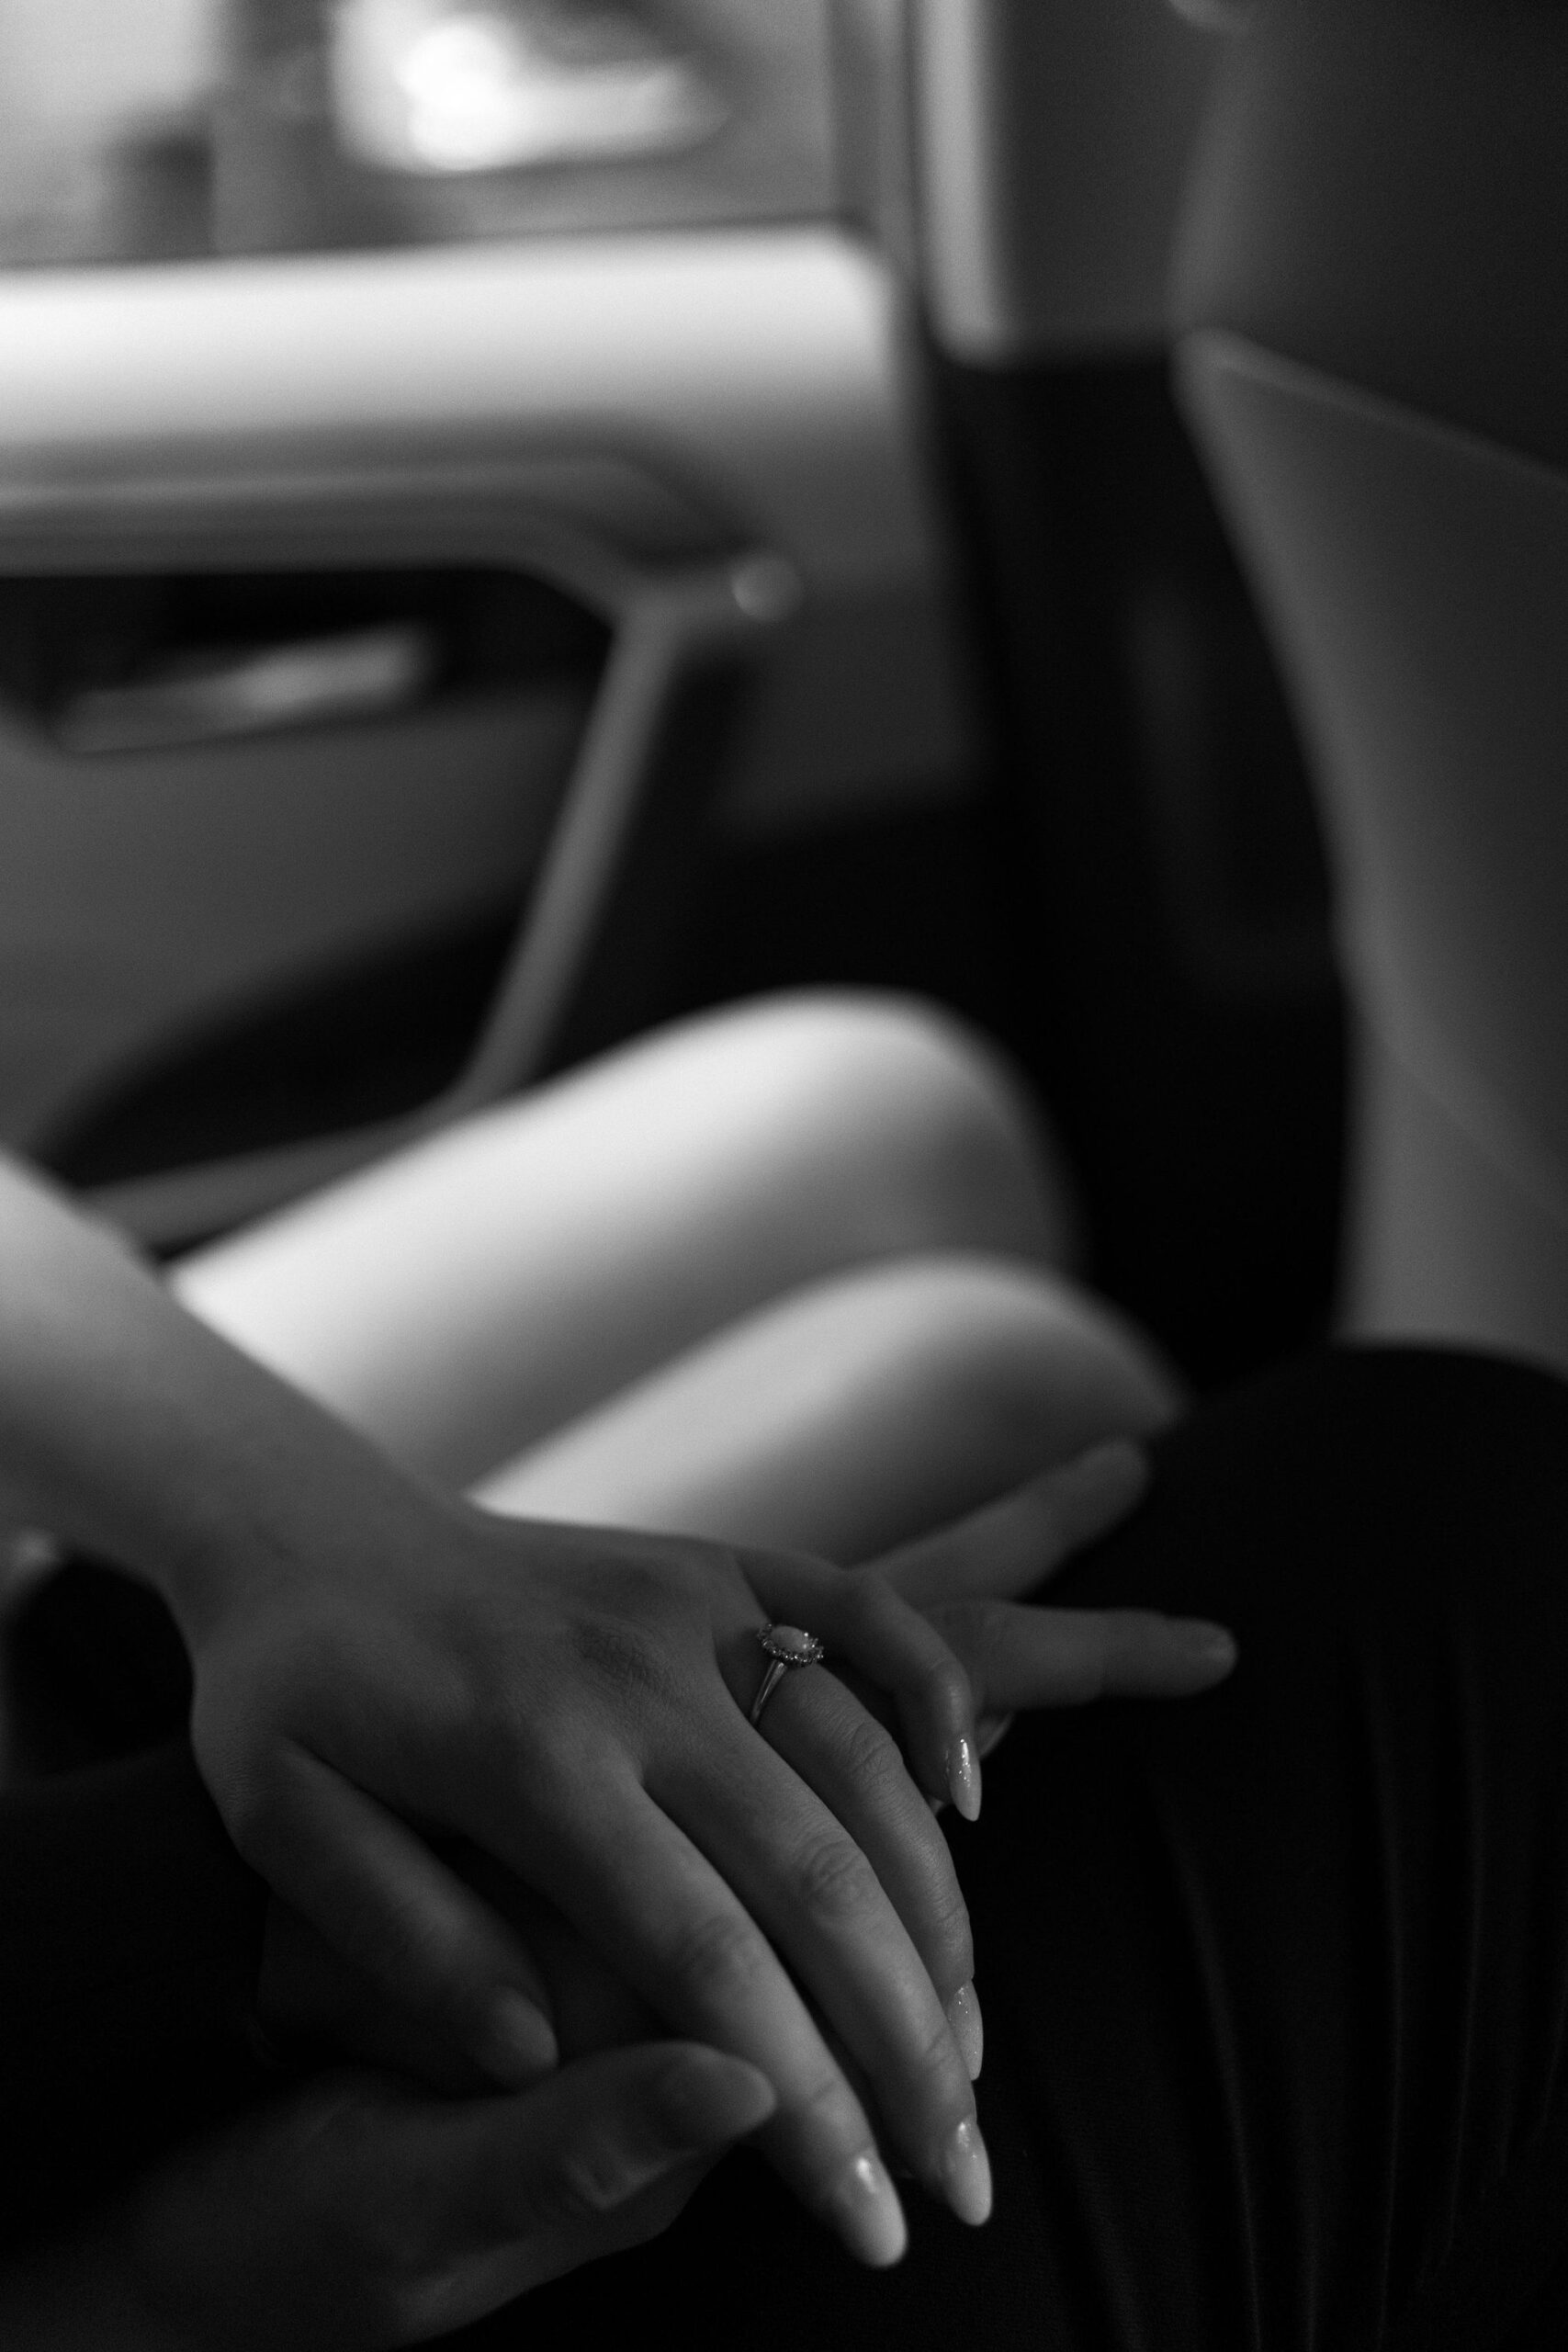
(1173, 992)
(1372, 346)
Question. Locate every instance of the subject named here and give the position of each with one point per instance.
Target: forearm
(128, 1428)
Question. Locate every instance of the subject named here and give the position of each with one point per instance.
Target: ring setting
(786, 1648)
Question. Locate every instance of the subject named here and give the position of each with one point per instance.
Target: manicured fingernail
(964, 1778)
(1208, 1645)
(963, 2016)
(966, 2173)
(865, 2212)
(518, 2043)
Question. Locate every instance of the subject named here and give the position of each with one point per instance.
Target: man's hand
(356, 2213)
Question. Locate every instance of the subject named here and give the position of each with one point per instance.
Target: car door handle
(207, 696)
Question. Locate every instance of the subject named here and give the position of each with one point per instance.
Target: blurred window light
(473, 85)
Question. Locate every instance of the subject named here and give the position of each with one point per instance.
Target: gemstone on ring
(792, 1646)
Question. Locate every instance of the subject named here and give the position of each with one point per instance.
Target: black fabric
(1275, 1983)
(93, 1650)
(130, 1939)
(1382, 192)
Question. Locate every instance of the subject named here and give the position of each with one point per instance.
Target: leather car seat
(1372, 314)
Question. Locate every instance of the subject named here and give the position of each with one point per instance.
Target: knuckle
(936, 2071)
(954, 1936)
(627, 1659)
(828, 2111)
(940, 1921)
(873, 1760)
(835, 1882)
(721, 1959)
(945, 1907)
(665, 1576)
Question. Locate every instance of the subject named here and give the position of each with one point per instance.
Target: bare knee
(934, 1142)
(1018, 1367)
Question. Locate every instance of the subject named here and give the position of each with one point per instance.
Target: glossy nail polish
(968, 2031)
(964, 1778)
(865, 2212)
(966, 2173)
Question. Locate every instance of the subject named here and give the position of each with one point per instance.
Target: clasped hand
(571, 1702)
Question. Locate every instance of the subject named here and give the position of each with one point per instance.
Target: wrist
(307, 1509)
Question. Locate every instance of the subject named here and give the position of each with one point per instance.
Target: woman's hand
(1016, 1657)
(357, 2213)
(572, 1701)
(967, 1580)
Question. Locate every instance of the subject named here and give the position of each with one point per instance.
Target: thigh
(1275, 1982)
(478, 1291)
(855, 1412)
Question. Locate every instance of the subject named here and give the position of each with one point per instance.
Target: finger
(636, 1886)
(372, 1888)
(591, 2004)
(590, 2138)
(1065, 1657)
(868, 1626)
(469, 2289)
(1008, 1547)
(601, 2157)
(808, 1885)
(854, 1764)
(453, 2208)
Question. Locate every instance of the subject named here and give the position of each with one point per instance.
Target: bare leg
(470, 1296)
(854, 1412)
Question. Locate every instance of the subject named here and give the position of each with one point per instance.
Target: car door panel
(626, 421)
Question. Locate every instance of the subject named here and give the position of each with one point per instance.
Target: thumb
(595, 2136)
(601, 2156)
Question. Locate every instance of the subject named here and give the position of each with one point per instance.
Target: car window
(189, 128)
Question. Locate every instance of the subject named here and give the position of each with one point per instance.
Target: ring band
(785, 1647)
